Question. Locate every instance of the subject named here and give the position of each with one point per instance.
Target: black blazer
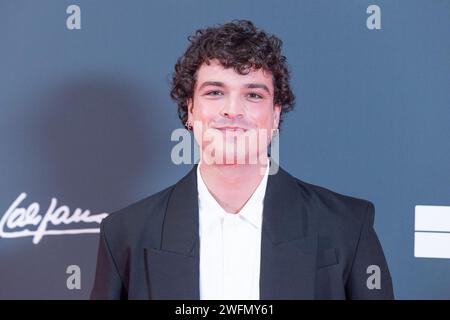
(315, 244)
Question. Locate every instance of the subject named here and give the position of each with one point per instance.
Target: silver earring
(188, 125)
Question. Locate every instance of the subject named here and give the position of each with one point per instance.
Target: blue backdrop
(86, 119)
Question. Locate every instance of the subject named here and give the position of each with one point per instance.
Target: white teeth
(233, 129)
(237, 130)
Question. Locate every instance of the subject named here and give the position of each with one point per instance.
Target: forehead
(216, 72)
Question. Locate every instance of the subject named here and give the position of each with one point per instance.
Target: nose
(233, 108)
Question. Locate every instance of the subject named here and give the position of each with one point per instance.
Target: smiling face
(232, 106)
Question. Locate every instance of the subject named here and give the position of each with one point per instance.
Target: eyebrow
(247, 85)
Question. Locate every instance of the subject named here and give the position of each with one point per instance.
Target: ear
(190, 106)
(276, 116)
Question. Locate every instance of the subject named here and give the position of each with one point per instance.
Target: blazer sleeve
(369, 277)
(108, 284)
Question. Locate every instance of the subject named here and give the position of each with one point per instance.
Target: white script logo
(17, 217)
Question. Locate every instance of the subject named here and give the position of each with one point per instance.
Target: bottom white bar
(432, 245)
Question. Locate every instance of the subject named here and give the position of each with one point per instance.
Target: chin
(241, 158)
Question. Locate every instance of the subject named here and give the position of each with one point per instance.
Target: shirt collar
(211, 211)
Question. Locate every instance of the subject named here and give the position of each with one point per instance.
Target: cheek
(203, 113)
(262, 117)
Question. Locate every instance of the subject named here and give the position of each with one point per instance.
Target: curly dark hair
(239, 45)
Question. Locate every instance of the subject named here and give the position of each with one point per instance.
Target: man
(229, 229)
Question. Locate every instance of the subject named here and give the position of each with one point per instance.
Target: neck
(230, 174)
(233, 184)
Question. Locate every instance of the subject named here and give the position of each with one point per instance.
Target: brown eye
(214, 93)
(253, 95)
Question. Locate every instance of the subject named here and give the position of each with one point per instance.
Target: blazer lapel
(288, 241)
(173, 267)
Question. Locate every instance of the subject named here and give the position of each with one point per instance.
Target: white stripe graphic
(432, 236)
(432, 218)
(432, 245)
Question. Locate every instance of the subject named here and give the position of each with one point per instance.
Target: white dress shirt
(230, 245)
